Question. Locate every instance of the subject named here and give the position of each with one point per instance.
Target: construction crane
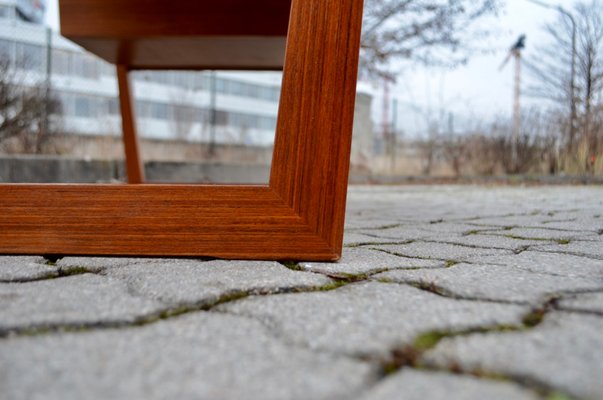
(515, 52)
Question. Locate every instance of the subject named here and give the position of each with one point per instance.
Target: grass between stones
(61, 272)
(52, 259)
(411, 355)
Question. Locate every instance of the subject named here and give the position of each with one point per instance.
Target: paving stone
(434, 202)
(550, 234)
(13, 269)
(511, 221)
(368, 222)
(202, 356)
(586, 248)
(101, 263)
(357, 238)
(293, 345)
(422, 231)
(575, 221)
(400, 233)
(592, 222)
(487, 241)
(77, 299)
(368, 318)
(189, 281)
(420, 385)
(453, 228)
(567, 265)
(356, 261)
(589, 302)
(441, 251)
(492, 282)
(565, 352)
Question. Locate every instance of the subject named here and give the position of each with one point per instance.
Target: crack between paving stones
(470, 246)
(537, 272)
(449, 262)
(508, 227)
(377, 228)
(530, 320)
(412, 356)
(346, 278)
(526, 214)
(396, 243)
(274, 330)
(579, 311)
(570, 253)
(363, 244)
(187, 308)
(572, 294)
(61, 272)
(169, 312)
(365, 276)
(503, 228)
(433, 288)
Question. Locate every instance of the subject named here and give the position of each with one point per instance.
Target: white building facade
(230, 108)
(170, 104)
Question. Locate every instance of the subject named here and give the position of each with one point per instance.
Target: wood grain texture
(191, 53)
(153, 18)
(299, 215)
(151, 34)
(312, 150)
(154, 220)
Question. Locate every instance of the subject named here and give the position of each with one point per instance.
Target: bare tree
(427, 31)
(24, 112)
(550, 69)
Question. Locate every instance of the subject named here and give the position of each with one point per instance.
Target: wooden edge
(314, 127)
(299, 216)
(234, 222)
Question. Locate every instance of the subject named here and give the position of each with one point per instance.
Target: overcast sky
(475, 92)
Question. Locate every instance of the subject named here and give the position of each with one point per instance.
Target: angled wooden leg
(134, 165)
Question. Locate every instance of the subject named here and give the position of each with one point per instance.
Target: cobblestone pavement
(442, 293)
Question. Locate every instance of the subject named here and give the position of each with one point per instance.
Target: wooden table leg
(134, 165)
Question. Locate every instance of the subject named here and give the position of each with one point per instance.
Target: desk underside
(194, 53)
(183, 34)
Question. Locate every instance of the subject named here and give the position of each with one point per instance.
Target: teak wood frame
(298, 215)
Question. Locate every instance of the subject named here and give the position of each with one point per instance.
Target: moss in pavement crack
(363, 244)
(521, 249)
(292, 265)
(394, 253)
(164, 314)
(71, 271)
(518, 237)
(61, 272)
(411, 355)
(51, 259)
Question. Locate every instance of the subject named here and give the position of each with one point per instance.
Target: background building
(181, 115)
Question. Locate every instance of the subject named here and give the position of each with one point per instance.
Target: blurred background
(448, 90)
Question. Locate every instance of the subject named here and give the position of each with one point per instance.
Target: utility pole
(394, 134)
(385, 114)
(515, 52)
(47, 87)
(212, 114)
(573, 114)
